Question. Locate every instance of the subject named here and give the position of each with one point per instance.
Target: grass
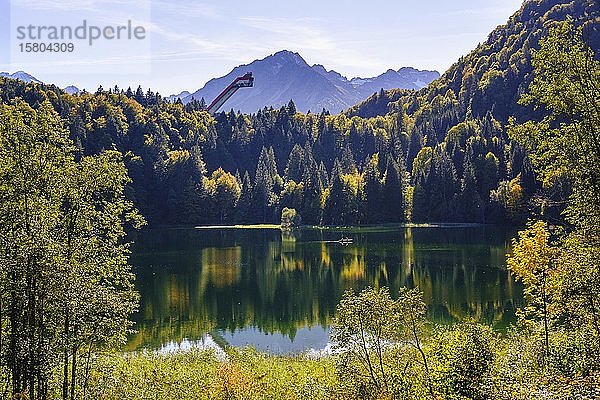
(198, 374)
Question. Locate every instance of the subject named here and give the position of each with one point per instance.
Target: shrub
(463, 357)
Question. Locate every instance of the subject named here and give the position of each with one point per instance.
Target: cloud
(188, 10)
(298, 33)
(78, 5)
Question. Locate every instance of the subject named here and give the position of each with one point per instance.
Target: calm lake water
(278, 293)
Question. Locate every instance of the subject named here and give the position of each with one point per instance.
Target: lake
(277, 292)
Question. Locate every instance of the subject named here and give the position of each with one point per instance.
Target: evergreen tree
(263, 197)
(333, 212)
(392, 193)
(312, 192)
(243, 212)
(347, 165)
(372, 200)
(295, 165)
(472, 205)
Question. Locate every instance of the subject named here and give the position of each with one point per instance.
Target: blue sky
(190, 42)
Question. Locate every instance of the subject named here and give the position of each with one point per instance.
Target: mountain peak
(290, 56)
(285, 75)
(72, 90)
(21, 75)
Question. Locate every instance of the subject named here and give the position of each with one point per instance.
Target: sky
(186, 43)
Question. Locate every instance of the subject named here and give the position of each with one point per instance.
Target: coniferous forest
(441, 154)
(510, 134)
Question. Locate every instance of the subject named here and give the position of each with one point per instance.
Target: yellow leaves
(325, 196)
(532, 254)
(353, 182)
(221, 183)
(176, 156)
(100, 123)
(422, 160)
(148, 140)
(515, 192)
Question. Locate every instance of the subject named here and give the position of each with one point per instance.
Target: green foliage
(67, 290)
(170, 150)
(561, 277)
(290, 218)
(462, 360)
(65, 284)
(533, 261)
(369, 333)
(225, 191)
(509, 195)
(566, 143)
(196, 374)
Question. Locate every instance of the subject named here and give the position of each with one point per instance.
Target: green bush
(290, 218)
(463, 357)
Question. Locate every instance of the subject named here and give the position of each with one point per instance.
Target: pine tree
(312, 190)
(295, 164)
(333, 212)
(347, 163)
(392, 194)
(263, 197)
(371, 202)
(472, 205)
(242, 210)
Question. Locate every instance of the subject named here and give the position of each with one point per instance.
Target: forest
(190, 168)
(440, 155)
(511, 132)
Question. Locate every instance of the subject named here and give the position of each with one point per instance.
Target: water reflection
(259, 287)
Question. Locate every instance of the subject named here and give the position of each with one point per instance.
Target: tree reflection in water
(242, 284)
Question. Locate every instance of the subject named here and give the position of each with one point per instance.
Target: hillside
(439, 154)
(493, 76)
(286, 76)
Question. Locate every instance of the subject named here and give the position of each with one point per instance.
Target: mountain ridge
(285, 76)
(492, 76)
(21, 75)
(28, 78)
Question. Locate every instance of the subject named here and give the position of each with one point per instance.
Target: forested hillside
(439, 154)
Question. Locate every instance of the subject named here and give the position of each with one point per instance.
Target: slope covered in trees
(439, 154)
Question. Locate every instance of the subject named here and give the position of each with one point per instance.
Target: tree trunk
(65, 386)
(546, 335)
(418, 346)
(364, 345)
(73, 369)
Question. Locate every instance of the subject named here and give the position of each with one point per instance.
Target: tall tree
(392, 194)
(66, 286)
(372, 208)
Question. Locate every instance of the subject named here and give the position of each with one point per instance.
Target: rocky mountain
(404, 78)
(72, 89)
(286, 76)
(22, 76)
(181, 96)
(28, 78)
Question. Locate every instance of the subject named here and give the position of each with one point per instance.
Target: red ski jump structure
(241, 81)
